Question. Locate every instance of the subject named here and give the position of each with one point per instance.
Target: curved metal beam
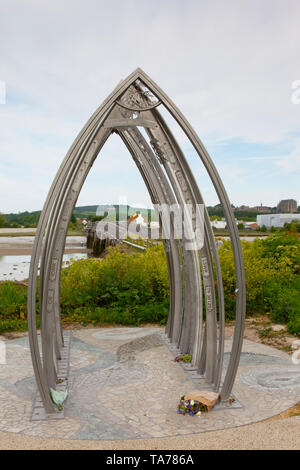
(234, 235)
(54, 220)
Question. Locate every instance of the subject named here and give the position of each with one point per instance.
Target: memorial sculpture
(194, 272)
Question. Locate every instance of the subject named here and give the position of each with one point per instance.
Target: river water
(16, 267)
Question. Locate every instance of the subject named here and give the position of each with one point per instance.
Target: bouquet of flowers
(191, 407)
(183, 358)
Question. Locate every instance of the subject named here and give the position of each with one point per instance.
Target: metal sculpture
(134, 103)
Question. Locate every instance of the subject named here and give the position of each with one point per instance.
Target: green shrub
(272, 277)
(119, 279)
(136, 315)
(282, 302)
(13, 300)
(282, 249)
(293, 325)
(133, 288)
(16, 325)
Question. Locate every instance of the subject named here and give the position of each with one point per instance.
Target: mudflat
(22, 245)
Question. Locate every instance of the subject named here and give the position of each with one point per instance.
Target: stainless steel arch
(134, 103)
(160, 193)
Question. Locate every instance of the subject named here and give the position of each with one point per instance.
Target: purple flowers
(183, 358)
(190, 407)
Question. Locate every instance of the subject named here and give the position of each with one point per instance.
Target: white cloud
(17, 195)
(228, 65)
(291, 162)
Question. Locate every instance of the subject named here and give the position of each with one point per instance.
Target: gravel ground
(283, 434)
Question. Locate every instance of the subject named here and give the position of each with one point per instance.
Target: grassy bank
(131, 288)
(17, 234)
(71, 233)
(242, 233)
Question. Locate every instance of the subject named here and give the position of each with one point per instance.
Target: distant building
(154, 224)
(260, 208)
(276, 220)
(264, 209)
(219, 224)
(251, 226)
(82, 222)
(287, 206)
(138, 219)
(243, 208)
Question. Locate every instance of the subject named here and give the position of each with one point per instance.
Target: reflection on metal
(195, 274)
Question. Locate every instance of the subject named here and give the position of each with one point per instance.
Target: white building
(219, 224)
(154, 224)
(140, 220)
(222, 224)
(276, 220)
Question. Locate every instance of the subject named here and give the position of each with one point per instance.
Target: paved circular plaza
(124, 384)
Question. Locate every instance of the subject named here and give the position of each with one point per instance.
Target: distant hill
(30, 219)
(85, 212)
(23, 219)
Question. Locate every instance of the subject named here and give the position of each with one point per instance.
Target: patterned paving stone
(124, 384)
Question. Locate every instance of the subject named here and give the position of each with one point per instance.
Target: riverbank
(30, 232)
(242, 233)
(15, 253)
(20, 245)
(21, 251)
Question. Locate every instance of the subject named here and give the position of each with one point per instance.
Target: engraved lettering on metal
(53, 269)
(205, 266)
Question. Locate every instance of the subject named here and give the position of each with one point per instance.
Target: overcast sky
(228, 65)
